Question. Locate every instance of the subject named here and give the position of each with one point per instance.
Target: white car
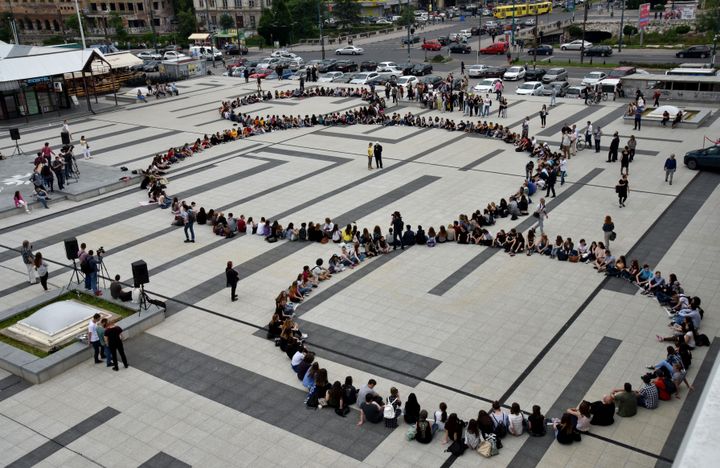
(382, 66)
(408, 80)
(487, 85)
(383, 21)
(476, 71)
(593, 77)
(575, 45)
(172, 55)
(363, 78)
(514, 73)
(283, 54)
(574, 92)
(148, 55)
(392, 71)
(349, 50)
(329, 77)
(531, 88)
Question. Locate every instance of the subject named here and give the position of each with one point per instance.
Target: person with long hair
(20, 202)
(536, 422)
(565, 430)
(423, 429)
(412, 409)
(581, 416)
(42, 270)
(472, 435)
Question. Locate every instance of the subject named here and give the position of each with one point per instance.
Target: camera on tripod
(101, 250)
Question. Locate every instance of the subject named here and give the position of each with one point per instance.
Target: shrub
(682, 29)
(439, 58)
(630, 30)
(574, 31)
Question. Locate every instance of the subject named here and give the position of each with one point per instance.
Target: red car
(262, 73)
(431, 45)
(497, 48)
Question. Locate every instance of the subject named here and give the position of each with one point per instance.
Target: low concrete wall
(38, 370)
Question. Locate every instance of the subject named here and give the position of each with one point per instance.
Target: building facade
(245, 13)
(137, 15)
(38, 20)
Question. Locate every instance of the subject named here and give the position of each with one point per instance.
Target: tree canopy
(290, 20)
(346, 13)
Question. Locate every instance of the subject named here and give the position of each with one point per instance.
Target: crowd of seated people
(162, 89)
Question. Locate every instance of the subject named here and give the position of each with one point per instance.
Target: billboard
(644, 15)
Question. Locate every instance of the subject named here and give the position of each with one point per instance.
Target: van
(619, 72)
(466, 33)
(205, 52)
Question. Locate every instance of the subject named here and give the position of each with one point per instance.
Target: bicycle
(580, 144)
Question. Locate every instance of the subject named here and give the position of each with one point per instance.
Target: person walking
(42, 269)
(638, 118)
(670, 167)
(543, 115)
(28, 259)
(397, 225)
(608, 228)
(622, 189)
(85, 147)
(614, 146)
(462, 67)
(553, 96)
(656, 98)
(93, 340)
(551, 181)
(541, 214)
(232, 277)
(114, 340)
(377, 151)
(370, 154)
(188, 216)
(631, 145)
(65, 135)
(625, 162)
(597, 134)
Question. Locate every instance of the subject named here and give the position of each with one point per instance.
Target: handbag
(574, 258)
(613, 235)
(411, 433)
(485, 449)
(536, 214)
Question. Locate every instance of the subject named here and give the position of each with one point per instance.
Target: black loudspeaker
(15, 134)
(71, 249)
(140, 273)
(65, 137)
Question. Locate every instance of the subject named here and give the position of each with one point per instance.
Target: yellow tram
(522, 9)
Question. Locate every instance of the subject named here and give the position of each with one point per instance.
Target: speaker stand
(17, 150)
(143, 300)
(74, 277)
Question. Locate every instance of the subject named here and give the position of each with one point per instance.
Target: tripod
(75, 276)
(143, 300)
(17, 150)
(104, 274)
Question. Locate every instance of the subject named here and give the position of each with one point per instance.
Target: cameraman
(93, 262)
(67, 155)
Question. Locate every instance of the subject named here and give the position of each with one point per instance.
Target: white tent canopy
(51, 64)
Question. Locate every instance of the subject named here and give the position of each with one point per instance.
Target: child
(20, 202)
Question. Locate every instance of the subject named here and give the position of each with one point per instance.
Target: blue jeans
(94, 280)
(88, 282)
(108, 358)
(189, 227)
(97, 347)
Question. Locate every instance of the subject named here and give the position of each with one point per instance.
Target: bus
(683, 71)
(522, 9)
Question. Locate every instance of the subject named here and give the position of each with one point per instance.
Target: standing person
(563, 170)
(65, 135)
(656, 98)
(565, 144)
(93, 339)
(543, 115)
(397, 225)
(670, 166)
(631, 145)
(104, 350)
(58, 167)
(541, 215)
(42, 269)
(232, 277)
(638, 118)
(462, 67)
(28, 259)
(551, 181)
(597, 134)
(246, 75)
(553, 96)
(188, 216)
(614, 146)
(526, 127)
(588, 134)
(93, 263)
(259, 84)
(48, 178)
(622, 189)
(85, 147)
(370, 153)
(114, 342)
(608, 227)
(377, 150)
(625, 161)
(302, 83)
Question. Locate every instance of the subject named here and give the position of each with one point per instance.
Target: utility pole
(82, 33)
(582, 46)
(512, 32)
(480, 15)
(408, 32)
(152, 27)
(537, 25)
(715, 38)
(622, 22)
(320, 25)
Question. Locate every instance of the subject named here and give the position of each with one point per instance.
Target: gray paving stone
(163, 460)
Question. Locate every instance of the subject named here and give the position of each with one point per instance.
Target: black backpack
(500, 428)
(702, 340)
(85, 266)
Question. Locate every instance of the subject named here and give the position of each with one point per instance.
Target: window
(224, 4)
(112, 7)
(131, 6)
(211, 3)
(140, 7)
(93, 7)
(238, 3)
(156, 6)
(103, 6)
(251, 4)
(156, 21)
(252, 21)
(240, 21)
(121, 6)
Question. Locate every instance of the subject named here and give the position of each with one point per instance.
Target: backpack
(670, 385)
(411, 433)
(389, 410)
(85, 266)
(488, 447)
(500, 427)
(702, 340)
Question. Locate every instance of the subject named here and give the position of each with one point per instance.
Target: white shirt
(515, 426)
(438, 420)
(563, 165)
(92, 331)
(297, 358)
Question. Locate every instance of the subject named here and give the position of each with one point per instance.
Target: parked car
(598, 51)
(346, 66)
(593, 77)
(443, 40)
(494, 72)
(383, 65)
(529, 22)
(262, 73)
(560, 87)
(431, 45)
(497, 48)
(574, 92)
(575, 45)
(432, 80)
(412, 40)
(329, 77)
(173, 55)
(234, 49)
(542, 49)
(535, 75)
(706, 158)
(149, 55)
(151, 66)
(487, 85)
(555, 74)
(620, 72)
(363, 77)
(286, 73)
(383, 79)
(326, 66)
(475, 31)
(475, 71)
(422, 69)
(368, 65)
(282, 53)
(349, 50)
(514, 73)
(530, 88)
(408, 80)
(460, 49)
(698, 51)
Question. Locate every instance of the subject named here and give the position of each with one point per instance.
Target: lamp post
(582, 45)
(512, 32)
(82, 32)
(320, 26)
(622, 21)
(537, 25)
(480, 15)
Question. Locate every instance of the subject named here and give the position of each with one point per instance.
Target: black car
(475, 31)
(421, 69)
(326, 66)
(383, 80)
(460, 49)
(493, 72)
(698, 51)
(368, 65)
(598, 51)
(534, 75)
(233, 49)
(412, 39)
(346, 66)
(151, 66)
(432, 80)
(542, 49)
(443, 40)
(407, 68)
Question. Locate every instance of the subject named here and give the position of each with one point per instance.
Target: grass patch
(78, 296)
(439, 58)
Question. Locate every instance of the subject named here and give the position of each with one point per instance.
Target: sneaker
(650, 368)
(187, 241)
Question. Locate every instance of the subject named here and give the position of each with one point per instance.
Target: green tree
(226, 22)
(407, 16)
(305, 17)
(186, 25)
(708, 20)
(276, 24)
(346, 12)
(5, 29)
(116, 22)
(72, 22)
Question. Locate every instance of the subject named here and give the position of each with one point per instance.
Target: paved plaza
(460, 324)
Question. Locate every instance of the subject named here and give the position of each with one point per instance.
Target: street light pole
(480, 15)
(512, 32)
(82, 33)
(320, 25)
(537, 25)
(582, 46)
(622, 22)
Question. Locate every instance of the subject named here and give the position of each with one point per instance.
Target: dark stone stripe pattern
(66, 438)
(481, 160)
(12, 385)
(257, 396)
(163, 460)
